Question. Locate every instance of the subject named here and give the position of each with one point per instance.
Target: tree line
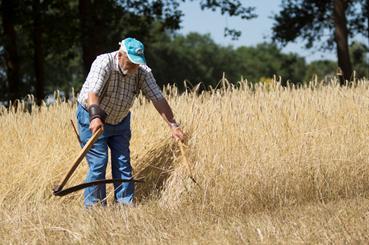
(199, 59)
(50, 44)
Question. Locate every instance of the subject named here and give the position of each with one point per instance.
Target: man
(104, 102)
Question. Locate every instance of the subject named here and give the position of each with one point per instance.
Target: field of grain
(273, 165)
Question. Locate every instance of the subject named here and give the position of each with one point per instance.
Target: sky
(253, 31)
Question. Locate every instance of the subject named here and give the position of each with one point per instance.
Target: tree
(104, 23)
(341, 37)
(322, 69)
(121, 18)
(266, 60)
(359, 17)
(11, 57)
(37, 14)
(193, 57)
(360, 59)
(54, 42)
(313, 19)
(62, 49)
(233, 8)
(198, 58)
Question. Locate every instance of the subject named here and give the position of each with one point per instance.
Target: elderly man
(104, 102)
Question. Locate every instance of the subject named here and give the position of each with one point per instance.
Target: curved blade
(88, 184)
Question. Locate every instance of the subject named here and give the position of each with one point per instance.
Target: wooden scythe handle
(185, 158)
(187, 163)
(77, 161)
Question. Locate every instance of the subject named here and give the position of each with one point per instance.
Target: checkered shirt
(117, 91)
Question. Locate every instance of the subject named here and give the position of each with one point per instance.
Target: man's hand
(178, 134)
(95, 124)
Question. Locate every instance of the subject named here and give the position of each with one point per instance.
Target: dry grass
(274, 165)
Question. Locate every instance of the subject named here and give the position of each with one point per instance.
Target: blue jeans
(117, 138)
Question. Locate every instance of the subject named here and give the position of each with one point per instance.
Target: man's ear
(119, 54)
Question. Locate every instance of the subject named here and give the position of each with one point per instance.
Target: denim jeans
(115, 137)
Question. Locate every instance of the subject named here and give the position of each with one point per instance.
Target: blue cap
(134, 50)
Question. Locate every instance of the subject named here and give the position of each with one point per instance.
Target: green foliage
(173, 58)
(267, 60)
(73, 35)
(198, 58)
(311, 21)
(182, 58)
(326, 69)
(321, 69)
(359, 53)
(330, 23)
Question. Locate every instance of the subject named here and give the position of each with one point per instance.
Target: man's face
(125, 64)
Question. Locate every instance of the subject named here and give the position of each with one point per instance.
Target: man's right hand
(95, 124)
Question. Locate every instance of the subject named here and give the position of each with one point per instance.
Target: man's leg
(120, 161)
(97, 158)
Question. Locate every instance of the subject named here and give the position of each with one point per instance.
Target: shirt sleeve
(98, 75)
(150, 88)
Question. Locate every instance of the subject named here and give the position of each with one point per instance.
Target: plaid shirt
(117, 91)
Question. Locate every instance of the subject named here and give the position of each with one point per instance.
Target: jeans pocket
(82, 116)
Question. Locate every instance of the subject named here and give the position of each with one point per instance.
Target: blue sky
(253, 31)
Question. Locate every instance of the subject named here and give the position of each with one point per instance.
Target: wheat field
(273, 165)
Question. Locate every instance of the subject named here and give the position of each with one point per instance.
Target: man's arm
(95, 82)
(152, 91)
(96, 123)
(166, 112)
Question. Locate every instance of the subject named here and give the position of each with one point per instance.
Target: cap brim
(136, 59)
